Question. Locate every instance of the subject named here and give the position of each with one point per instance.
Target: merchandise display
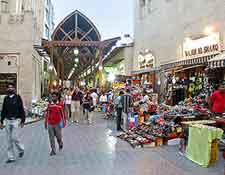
(38, 108)
(203, 144)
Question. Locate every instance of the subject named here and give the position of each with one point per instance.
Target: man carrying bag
(54, 121)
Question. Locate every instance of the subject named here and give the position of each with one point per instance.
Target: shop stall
(176, 125)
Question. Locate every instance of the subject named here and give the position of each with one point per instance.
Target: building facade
(21, 28)
(48, 19)
(163, 26)
(180, 36)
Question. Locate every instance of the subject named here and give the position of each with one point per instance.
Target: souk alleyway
(93, 150)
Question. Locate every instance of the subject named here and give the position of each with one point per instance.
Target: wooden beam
(77, 42)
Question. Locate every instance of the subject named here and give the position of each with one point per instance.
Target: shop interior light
(174, 80)
(159, 82)
(55, 83)
(100, 68)
(51, 67)
(146, 50)
(111, 77)
(209, 30)
(76, 51)
(83, 83)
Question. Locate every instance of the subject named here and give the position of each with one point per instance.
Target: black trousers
(119, 118)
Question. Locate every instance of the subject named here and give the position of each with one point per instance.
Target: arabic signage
(208, 45)
(146, 61)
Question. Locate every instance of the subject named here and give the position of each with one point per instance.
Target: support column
(51, 71)
(63, 71)
(58, 70)
(101, 83)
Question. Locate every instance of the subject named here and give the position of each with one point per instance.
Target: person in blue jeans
(119, 109)
(14, 115)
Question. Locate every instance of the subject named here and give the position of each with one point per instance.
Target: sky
(113, 18)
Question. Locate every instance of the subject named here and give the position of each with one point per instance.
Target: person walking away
(217, 100)
(68, 101)
(103, 101)
(54, 122)
(13, 113)
(127, 103)
(94, 96)
(75, 104)
(119, 109)
(88, 107)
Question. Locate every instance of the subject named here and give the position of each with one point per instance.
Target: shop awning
(187, 61)
(218, 61)
(149, 70)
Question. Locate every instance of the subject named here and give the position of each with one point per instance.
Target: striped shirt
(68, 99)
(127, 102)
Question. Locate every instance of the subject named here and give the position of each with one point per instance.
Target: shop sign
(202, 50)
(201, 47)
(118, 85)
(146, 61)
(118, 69)
(8, 57)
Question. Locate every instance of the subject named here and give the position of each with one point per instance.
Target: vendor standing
(127, 103)
(217, 100)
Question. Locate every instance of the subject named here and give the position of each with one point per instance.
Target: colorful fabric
(200, 143)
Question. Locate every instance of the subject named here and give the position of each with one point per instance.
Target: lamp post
(76, 51)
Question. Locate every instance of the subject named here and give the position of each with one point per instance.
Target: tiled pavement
(92, 150)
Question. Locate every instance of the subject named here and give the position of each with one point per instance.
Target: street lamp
(76, 51)
(76, 60)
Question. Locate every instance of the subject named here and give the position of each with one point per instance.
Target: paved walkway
(92, 150)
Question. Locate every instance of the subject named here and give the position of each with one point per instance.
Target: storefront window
(4, 6)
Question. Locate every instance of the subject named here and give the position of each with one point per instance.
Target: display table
(203, 144)
(203, 122)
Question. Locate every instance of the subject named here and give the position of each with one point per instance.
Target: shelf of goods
(149, 135)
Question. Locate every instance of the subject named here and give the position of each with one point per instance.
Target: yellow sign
(118, 85)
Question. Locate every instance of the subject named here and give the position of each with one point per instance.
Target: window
(4, 5)
(149, 6)
(47, 16)
(142, 8)
(47, 31)
(142, 3)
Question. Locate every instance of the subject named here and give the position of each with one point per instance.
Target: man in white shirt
(94, 96)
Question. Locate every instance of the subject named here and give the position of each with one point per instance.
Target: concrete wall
(17, 35)
(128, 55)
(162, 25)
